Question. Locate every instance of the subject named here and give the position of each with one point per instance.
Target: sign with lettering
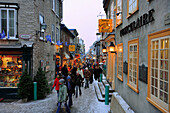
(105, 25)
(25, 36)
(71, 47)
(143, 20)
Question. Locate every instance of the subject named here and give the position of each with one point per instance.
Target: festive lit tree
(42, 84)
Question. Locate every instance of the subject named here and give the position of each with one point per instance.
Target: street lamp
(61, 46)
(112, 48)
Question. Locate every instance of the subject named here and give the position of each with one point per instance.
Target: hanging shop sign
(25, 36)
(71, 47)
(143, 20)
(105, 25)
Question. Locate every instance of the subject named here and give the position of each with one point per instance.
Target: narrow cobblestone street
(87, 103)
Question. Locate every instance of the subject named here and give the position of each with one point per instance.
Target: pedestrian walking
(97, 72)
(64, 70)
(87, 77)
(70, 89)
(56, 84)
(62, 96)
(78, 84)
(80, 71)
(91, 77)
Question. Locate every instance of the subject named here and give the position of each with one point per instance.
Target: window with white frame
(159, 71)
(132, 7)
(112, 12)
(41, 19)
(8, 22)
(119, 12)
(133, 57)
(133, 64)
(53, 6)
(57, 7)
(120, 62)
(53, 33)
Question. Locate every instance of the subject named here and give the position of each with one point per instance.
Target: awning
(66, 55)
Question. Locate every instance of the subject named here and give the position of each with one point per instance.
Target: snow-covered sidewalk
(46, 105)
(86, 103)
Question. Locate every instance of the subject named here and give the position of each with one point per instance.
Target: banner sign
(71, 47)
(105, 25)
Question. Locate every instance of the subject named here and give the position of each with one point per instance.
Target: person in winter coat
(87, 77)
(56, 83)
(62, 96)
(91, 77)
(97, 72)
(80, 71)
(78, 84)
(64, 71)
(69, 85)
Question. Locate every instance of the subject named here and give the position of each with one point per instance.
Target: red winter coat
(56, 84)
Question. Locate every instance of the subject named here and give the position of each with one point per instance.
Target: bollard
(35, 90)
(101, 76)
(107, 94)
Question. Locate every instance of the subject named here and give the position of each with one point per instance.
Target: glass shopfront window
(10, 70)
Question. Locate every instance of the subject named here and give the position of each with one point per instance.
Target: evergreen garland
(42, 84)
(25, 86)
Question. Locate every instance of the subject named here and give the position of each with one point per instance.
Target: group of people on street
(68, 83)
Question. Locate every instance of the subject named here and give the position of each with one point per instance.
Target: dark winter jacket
(78, 80)
(87, 74)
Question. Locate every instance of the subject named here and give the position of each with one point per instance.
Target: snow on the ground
(86, 103)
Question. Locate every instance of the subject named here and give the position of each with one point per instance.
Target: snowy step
(98, 94)
(105, 82)
(102, 89)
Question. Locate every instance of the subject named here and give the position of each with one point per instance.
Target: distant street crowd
(69, 80)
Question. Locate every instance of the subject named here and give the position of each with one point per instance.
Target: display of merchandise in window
(160, 70)
(10, 70)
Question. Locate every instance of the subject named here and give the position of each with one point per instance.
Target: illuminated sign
(71, 47)
(105, 25)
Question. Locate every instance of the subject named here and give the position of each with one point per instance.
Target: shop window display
(10, 70)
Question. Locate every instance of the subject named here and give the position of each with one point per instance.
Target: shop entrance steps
(100, 90)
(105, 82)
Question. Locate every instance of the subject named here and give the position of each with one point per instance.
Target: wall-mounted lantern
(112, 48)
(104, 50)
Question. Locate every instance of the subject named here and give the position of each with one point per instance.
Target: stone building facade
(31, 29)
(139, 71)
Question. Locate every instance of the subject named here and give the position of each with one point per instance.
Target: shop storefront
(12, 63)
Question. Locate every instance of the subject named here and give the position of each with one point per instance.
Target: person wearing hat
(62, 96)
(70, 89)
